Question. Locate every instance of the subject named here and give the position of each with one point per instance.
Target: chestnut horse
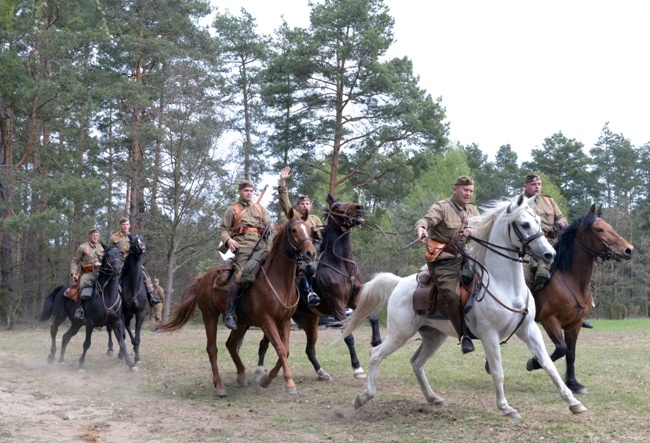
(565, 301)
(337, 281)
(268, 304)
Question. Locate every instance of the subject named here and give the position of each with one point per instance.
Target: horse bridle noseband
(604, 254)
(350, 221)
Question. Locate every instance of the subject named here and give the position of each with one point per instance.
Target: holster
(434, 249)
(87, 267)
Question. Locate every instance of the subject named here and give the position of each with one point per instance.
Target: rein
(350, 277)
(101, 289)
(606, 254)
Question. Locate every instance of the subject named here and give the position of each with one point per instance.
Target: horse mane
(482, 224)
(564, 246)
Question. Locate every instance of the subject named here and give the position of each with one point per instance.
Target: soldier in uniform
(158, 307)
(89, 255)
(241, 227)
(447, 221)
(303, 204)
(121, 240)
(551, 217)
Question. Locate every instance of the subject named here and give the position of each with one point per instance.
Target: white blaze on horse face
(304, 229)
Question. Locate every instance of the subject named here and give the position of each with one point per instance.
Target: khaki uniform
(550, 215)
(314, 222)
(122, 242)
(252, 218)
(159, 293)
(442, 223)
(87, 253)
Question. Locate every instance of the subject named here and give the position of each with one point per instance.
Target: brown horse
(268, 304)
(565, 301)
(337, 281)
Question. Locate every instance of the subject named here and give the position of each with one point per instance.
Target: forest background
(155, 110)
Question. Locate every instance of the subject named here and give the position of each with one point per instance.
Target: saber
(417, 240)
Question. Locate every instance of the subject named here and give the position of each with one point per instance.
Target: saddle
(425, 298)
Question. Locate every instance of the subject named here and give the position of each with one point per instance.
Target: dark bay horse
(337, 281)
(268, 304)
(104, 308)
(134, 295)
(565, 301)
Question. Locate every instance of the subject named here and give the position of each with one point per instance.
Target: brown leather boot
(455, 314)
(230, 319)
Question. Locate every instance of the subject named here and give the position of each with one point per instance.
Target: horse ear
(305, 216)
(592, 210)
(329, 199)
(520, 200)
(599, 211)
(290, 214)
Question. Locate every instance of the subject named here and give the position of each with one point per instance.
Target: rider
(303, 204)
(445, 221)
(241, 229)
(121, 240)
(551, 218)
(88, 257)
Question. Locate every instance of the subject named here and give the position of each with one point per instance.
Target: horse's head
(298, 235)
(528, 229)
(112, 262)
(137, 245)
(345, 215)
(602, 239)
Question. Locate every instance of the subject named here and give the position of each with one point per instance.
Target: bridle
(113, 272)
(349, 221)
(605, 254)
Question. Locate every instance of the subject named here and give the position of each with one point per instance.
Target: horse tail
(373, 297)
(185, 310)
(48, 305)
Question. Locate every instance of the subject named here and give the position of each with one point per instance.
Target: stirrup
(154, 301)
(79, 314)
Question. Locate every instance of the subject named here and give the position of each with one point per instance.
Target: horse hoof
(578, 409)
(360, 374)
(221, 393)
(529, 365)
(50, 360)
(291, 390)
(109, 353)
(581, 391)
(264, 383)
(134, 369)
(138, 362)
(323, 376)
(81, 370)
(514, 415)
(358, 402)
(243, 383)
(259, 374)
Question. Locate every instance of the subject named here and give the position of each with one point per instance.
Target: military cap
(532, 177)
(463, 180)
(124, 220)
(93, 231)
(302, 198)
(156, 280)
(245, 184)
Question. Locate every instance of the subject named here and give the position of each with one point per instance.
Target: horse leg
(261, 353)
(109, 351)
(555, 333)
(119, 326)
(570, 378)
(493, 357)
(310, 326)
(74, 328)
(53, 331)
(210, 323)
(354, 360)
(87, 341)
(232, 344)
(374, 325)
(532, 336)
(432, 340)
(280, 341)
(377, 354)
(135, 340)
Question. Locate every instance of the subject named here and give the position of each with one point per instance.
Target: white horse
(503, 306)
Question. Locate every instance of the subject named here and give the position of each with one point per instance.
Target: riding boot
(79, 313)
(587, 325)
(306, 292)
(149, 287)
(541, 278)
(230, 319)
(455, 314)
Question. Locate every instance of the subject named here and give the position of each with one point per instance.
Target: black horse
(104, 308)
(337, 281)
(134, 295)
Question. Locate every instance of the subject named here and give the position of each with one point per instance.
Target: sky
(516, 72)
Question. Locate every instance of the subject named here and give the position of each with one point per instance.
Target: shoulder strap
(463, 217)
(238, 215)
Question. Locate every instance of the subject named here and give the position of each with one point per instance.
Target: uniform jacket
(122, 242)
(548, 212)
(442, 221)
(87, 253)
(251, 218)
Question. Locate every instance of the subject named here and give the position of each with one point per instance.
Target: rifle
(224, 247)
